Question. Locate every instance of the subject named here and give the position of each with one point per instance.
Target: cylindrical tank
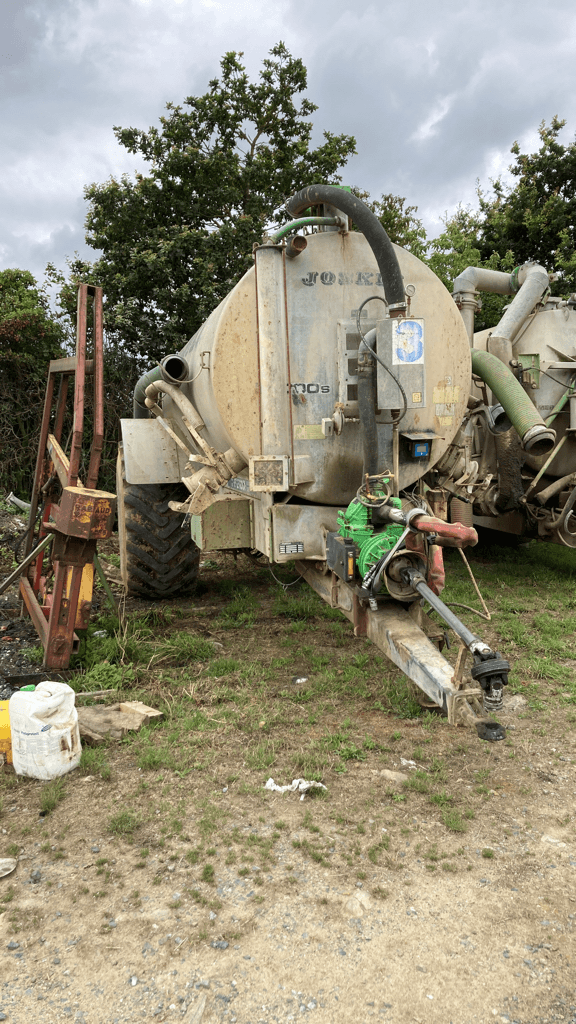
(278, 359)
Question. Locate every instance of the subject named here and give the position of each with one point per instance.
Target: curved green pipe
(302, 222)
(139, 411)
(522, 413)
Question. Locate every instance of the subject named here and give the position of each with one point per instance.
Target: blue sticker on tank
(408, 344)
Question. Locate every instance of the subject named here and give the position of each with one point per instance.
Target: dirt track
(450, 897)
(450, 935)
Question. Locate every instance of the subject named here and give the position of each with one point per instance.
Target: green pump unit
(361, 540)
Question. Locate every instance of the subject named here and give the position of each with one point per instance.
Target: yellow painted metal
(85, 596)
(5, 733)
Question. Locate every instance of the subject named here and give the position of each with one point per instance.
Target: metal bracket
(530, 366)
(456, 705)
(360, 619)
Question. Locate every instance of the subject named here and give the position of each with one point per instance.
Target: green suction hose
(536, 437)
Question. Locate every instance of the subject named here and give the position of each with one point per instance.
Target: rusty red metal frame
(84, 514)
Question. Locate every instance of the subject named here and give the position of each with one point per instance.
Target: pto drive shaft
(489, 669)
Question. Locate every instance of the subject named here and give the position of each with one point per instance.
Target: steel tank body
(279, 355)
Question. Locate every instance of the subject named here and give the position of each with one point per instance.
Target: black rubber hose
(367, 406)
(366, 222)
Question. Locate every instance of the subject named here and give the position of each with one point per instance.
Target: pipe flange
(539, 440)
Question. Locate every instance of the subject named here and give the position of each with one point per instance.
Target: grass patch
(93, 760)
(452, 819)
(379, 893)
(124, 823)
(208, 874)
(262, 756)
(418, 782)
(51, 794)
(442, 799)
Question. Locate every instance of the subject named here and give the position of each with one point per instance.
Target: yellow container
(5, 734)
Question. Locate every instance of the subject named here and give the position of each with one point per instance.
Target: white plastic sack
(44, 728)
(297, 786)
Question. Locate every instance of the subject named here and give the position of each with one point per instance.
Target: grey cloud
(492, 71)
(435, 93)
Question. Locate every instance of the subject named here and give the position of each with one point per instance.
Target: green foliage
(208, 874)
(261, 756)
(535, 217)
(94, 760)
(418, 782)
(452, 819)
(176, 240)
(26, 324)
(29, 338)
(240, 612)
(104, 677)
(460, 246)
(399, 221)
(301, 606)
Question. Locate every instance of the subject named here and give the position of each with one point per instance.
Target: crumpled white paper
(296, 786)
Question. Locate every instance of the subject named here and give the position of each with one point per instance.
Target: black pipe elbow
(367, 223)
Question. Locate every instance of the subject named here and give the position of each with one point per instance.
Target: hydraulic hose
(535, 436)
(367, 406)
(367, 223)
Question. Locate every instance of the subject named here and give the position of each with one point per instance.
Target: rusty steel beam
(34, 610)
(79, 382)
(83, 514)
(98, 434)
(68, 365)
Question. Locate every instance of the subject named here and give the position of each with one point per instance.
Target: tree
(535, 218)
(175, 240)
(29, 338)
(401, 223)
(27, 327)
(458, 247)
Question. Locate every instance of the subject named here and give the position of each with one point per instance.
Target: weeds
(51, 795)
(94, 760)
(208, 874)
(124, 823)
(453, 820)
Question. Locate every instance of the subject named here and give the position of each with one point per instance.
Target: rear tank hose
(366, 222)
(536, 437)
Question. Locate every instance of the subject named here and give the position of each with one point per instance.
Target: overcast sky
(435, 93)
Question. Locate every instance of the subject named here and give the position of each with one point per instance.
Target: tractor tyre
(158, 559)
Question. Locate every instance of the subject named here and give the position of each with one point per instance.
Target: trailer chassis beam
(394, 629)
